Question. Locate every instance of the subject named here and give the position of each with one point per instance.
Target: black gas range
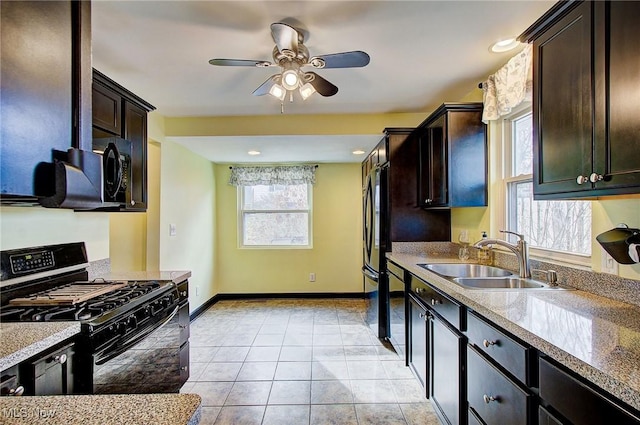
(134, 334)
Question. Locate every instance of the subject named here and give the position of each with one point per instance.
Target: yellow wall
(188, 200)
(23, 227)
(336, 255)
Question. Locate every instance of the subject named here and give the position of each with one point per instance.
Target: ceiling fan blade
(285, 36)
(266, 86)
(354, 59)
(322, 86)
(240, 62)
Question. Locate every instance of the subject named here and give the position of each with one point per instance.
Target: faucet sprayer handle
(520, 237)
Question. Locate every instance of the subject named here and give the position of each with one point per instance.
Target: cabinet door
(107, 109)
(36, 86)
(50, 374)
(447, 371)
(433, 157)
(617, 157)
(135, 130)
(418, 343)
(563, 104)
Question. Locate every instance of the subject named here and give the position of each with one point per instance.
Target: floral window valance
(508, 87)
(283, 174)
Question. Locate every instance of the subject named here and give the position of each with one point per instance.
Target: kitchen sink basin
(500, 283)
(464, 270)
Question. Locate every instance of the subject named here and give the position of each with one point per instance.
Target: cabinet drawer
(576, 401)
(506, 351)
(495, 398)
(440, 303)
(395, 270)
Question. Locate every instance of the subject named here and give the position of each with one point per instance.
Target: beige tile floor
(299, 362)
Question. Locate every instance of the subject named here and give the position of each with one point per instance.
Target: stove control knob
(132, 322)
(122, 328)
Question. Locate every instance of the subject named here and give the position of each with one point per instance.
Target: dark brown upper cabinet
(586, 100)
(119, 113)
(452, 169)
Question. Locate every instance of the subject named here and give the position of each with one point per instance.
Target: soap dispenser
(485, 254)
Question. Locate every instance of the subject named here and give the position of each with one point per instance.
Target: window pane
(558, 225)
(289, 197)
(522, 145)
(272, 229)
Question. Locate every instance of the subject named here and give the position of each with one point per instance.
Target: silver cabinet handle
(488, 343)
(582, 179)
(419, 290)
(595, 177)
(435, 302)
(428, 201)
(184, 368)
(62, 359)
(489, 398)
(133, 202)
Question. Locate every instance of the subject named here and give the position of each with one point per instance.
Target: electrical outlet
(609, 265)
(312, 277)
(172, 229)
(197, 290)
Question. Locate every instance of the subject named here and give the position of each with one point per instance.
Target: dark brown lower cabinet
(546, 418)
(417, 350)
(49, 373)
(493, 396)
(447, 371)
(578, 402)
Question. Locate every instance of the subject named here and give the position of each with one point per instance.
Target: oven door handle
(108, 354)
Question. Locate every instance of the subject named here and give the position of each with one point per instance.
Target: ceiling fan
(291, 55)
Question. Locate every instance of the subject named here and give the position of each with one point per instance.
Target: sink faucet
(520, 249)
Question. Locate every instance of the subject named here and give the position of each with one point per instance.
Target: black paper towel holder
(619, 242)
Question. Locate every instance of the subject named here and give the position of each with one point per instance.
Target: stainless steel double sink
(479, 276)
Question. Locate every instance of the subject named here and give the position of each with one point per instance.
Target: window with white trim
(563, 227)
(275, 216)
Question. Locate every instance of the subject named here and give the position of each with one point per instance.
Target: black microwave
(116, 168)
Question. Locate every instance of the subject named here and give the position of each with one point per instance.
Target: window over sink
(562, 227)
(275, 216)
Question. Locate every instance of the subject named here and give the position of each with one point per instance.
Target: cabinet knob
(488, 343)
(183, 293)
(422, 315)
(133, 203)
(419, 290)
(18, 391)
(489, 398)
(428, 201)
(595, 177)
(184, 368)
(582, 179)
(435, 301)
(62, 359)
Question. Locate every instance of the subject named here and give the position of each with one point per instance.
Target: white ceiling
(423, 53)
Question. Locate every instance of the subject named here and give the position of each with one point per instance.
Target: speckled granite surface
(131, 409)
(19, 341)
(175, 276)
(596, 337)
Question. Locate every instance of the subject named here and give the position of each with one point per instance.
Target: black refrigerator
(375, 241)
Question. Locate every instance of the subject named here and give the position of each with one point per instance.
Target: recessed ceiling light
(504, 45)
(358, 152)
(254, 152)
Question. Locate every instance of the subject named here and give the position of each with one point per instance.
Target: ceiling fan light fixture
(307, 90)
(278, 91)
(290, 79)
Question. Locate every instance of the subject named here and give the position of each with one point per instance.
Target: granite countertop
(22, 340)
(176, 276)
(131, 409)
(596, 337)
